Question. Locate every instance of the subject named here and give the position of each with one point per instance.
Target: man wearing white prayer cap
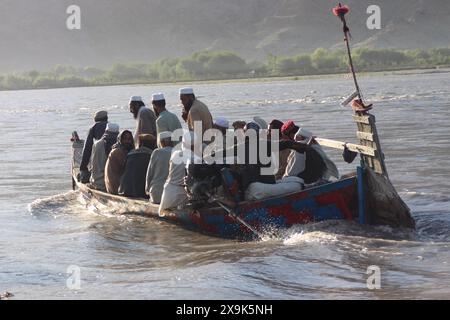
(112, 127)
(222, 124)
(165, 135)
(174, 193)
(146, 119)
(194, 110)
(158, 168)
(166, 121)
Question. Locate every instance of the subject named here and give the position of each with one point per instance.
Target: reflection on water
(45, 227)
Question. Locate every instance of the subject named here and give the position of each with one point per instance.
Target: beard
(188, 105)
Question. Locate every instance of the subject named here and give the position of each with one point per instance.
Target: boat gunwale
(146, 202)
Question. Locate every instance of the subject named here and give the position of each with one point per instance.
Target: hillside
(33, 34)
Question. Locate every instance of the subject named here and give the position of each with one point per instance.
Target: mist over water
(45, 227)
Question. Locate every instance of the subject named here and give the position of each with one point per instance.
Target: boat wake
(73, 203)
(54, 205)
(425, 196)
(432, 225)
(332, 231)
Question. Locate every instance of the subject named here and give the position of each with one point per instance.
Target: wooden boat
(366, 197)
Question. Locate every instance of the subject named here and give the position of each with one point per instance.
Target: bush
(224, 64)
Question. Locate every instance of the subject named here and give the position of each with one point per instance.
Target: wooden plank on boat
(365, 128)
(361, 119)
(368, 151)
(377, 165)
(364, 135)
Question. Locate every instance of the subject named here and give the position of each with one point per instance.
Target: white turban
(112, 127)
(136, 99)
(158, 97)
(222, 122)
(186, 91)
(165, 135)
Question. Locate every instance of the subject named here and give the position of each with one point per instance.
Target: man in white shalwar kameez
(174, 193)
(158, 168)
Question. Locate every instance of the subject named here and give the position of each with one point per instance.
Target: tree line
(220, 65)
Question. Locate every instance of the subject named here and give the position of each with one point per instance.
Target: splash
(74, 203)
(310, 237)
(52, 204)
(345, 233)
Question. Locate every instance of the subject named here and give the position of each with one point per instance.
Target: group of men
(147, 164)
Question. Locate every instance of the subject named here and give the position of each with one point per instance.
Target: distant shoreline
(406, 71)
(226, 66)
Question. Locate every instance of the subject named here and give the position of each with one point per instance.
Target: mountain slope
(33, 34)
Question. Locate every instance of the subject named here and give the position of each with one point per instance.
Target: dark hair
(188, 95)
(276, 124)
(137, 104)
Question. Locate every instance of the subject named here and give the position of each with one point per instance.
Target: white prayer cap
(112, 127)
(136, 99)
(261, 122)
(186, 91)
(158, 96)
(222, 122)
(165, 135)
(189, 139)
(303, 133)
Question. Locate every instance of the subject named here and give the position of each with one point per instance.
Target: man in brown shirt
(194, 110)
(145, 117)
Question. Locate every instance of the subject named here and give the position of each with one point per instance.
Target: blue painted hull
(332, 201)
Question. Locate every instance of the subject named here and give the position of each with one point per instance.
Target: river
(45, 229)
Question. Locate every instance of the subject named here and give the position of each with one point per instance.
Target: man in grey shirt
(166, 121)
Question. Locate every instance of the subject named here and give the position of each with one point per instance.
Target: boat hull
(370, 198)
(336, 200)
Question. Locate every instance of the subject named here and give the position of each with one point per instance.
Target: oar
(233, 214)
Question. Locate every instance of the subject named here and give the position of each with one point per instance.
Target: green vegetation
(207, 65)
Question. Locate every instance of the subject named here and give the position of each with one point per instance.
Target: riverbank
(405, 71)
(227, 66)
